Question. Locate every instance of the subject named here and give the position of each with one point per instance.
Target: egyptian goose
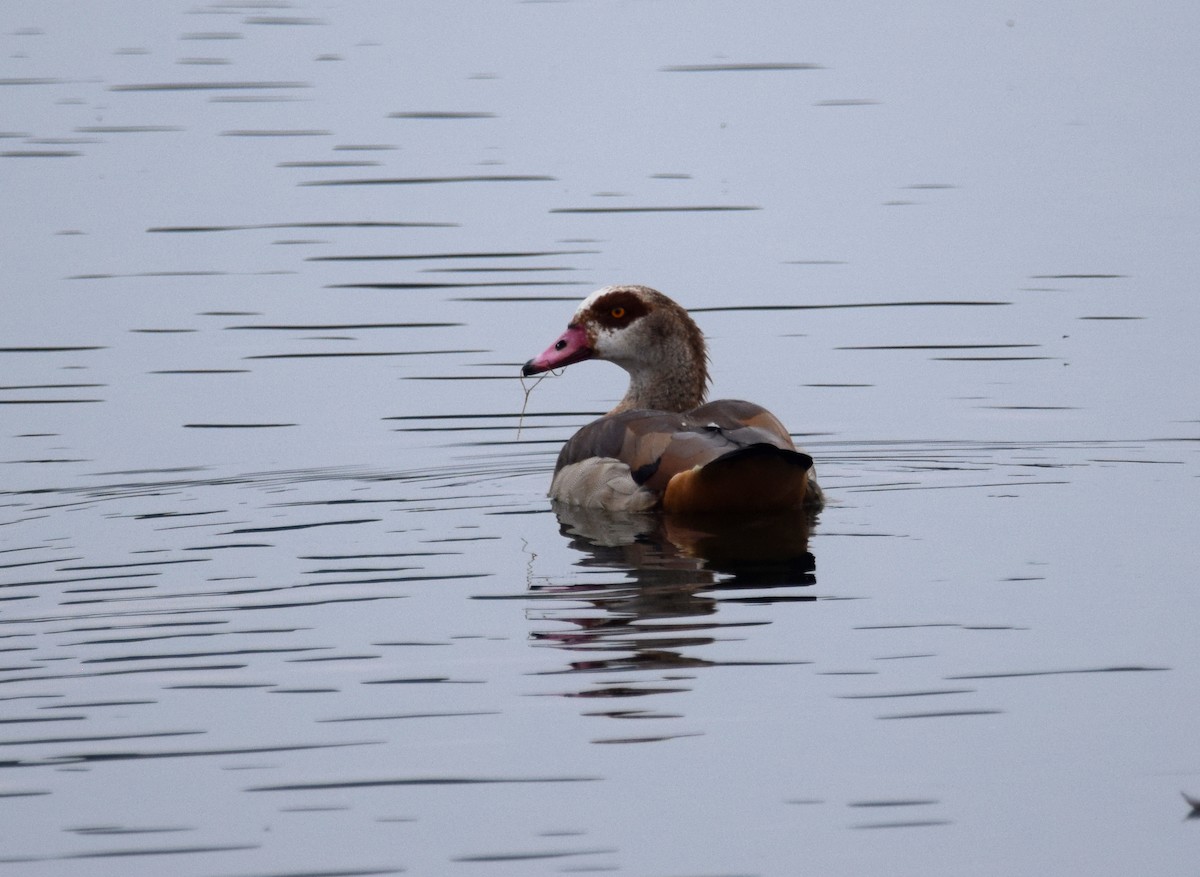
(662, 447)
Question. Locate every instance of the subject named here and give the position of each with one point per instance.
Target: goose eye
(617, 313)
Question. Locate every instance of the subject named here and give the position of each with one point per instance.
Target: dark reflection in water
(674, 567)
(765, 552)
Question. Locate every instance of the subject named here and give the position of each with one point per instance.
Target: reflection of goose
(691, 550)
(662, 447)
(665, 615)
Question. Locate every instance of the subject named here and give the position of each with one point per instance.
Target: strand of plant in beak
(525, 404)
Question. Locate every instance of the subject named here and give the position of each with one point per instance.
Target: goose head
(645, 333)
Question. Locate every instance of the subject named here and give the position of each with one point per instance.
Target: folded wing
(725, 456)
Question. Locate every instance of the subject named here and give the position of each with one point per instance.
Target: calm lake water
(280, 591)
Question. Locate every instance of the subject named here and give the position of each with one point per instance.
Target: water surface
(280, 591)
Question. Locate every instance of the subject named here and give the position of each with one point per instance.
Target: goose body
(663, 447)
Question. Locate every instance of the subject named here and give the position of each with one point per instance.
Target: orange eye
(617, 313)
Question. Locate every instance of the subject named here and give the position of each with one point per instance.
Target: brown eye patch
(618, 308)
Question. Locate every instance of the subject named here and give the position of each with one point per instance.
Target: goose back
(723, 456)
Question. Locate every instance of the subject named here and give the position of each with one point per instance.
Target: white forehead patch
(591, 299)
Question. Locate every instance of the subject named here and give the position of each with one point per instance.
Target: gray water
(280, 591)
